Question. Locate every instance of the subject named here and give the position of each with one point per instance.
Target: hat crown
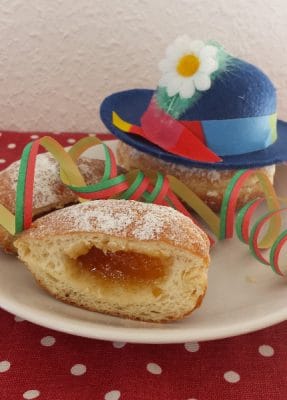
(239, 92)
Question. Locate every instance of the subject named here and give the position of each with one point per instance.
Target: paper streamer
(272, 239)
(129, 186)
(228, 208)
(275, 254)
(243, 219)
(24, 192)
(262, 235)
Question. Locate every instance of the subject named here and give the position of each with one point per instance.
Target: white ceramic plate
(242, 296)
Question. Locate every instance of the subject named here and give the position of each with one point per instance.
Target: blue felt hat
(222, 116)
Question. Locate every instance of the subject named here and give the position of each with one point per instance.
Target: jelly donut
(119, 257)
(208, 184)
(49, 191)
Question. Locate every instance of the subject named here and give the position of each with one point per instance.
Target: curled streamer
(159, 189)
(133, 185)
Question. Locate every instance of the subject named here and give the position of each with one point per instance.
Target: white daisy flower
(187, 67)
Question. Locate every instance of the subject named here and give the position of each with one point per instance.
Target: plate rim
(141, 336)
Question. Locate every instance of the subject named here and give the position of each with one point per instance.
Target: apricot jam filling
(122, 266)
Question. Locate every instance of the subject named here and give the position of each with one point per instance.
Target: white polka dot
(266, 351)
(2, 161)
(113, 395)
(11, 146)
(57, 133)
(192, 347)
(71, 140)
(154, 368)
(31, 394)
(119, 345)
(48, 341)
(78, 369)
(18, 319)
(231, 376)
(34, 136)
(4, 366)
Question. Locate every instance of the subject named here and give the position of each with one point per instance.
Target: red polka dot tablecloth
(38, 363)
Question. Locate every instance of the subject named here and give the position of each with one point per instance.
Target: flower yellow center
(188, 65)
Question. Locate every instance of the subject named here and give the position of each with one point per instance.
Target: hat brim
(131, 104)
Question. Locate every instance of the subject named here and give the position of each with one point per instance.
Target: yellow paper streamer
(193, 201)
(82, 145)
(69, 171)
(7, 220)
(273, 203)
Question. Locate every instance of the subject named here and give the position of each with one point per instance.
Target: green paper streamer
(225, 203)
(133, 187)
(273, 250)
(20, 191)
(150, 197)
(251, 238)
(99, 186)
(240, 217)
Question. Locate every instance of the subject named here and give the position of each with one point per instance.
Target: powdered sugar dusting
(49, 191)
(213, 175)
(138, 159)
(106, 219)
(213, 193)
(86, 169)
(150, 226)
(178, 170)
(45, 181)
(124, 218)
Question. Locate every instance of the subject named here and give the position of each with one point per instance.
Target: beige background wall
(59, 58)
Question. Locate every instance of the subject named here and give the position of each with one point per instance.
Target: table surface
(38, 363)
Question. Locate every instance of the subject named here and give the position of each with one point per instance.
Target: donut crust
(208, 184)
